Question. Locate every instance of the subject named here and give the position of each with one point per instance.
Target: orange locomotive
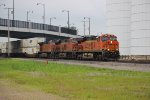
(104, 47)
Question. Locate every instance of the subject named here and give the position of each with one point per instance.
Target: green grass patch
(76, 82)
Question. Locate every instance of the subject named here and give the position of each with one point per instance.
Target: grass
(76, 82)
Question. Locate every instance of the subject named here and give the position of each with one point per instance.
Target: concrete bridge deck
(23, 30)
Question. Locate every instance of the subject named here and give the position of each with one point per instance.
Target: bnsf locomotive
(103, 47)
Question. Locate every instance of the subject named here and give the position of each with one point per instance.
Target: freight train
(21, 48)
(104, 47)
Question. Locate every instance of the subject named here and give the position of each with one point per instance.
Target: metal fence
(68, 31)
(38, 26)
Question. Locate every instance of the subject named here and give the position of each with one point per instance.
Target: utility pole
(68, 12)
(89, 24)
(28, 15)
(51, 21)
(43, 13)
(28, 18)
(13, 22)
(8, 24)
(13, 10)
(84, 26)
(68, 21)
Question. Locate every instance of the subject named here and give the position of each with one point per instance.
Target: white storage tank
(118, 22)
(140, 29)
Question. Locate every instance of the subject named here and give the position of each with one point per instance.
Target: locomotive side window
(113, 38)
(109, 38)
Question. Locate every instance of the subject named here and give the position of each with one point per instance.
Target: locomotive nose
(110, 42)
(112, 46)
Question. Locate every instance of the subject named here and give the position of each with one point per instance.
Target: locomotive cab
(110, 45)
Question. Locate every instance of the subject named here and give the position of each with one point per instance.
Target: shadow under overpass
(26, 35)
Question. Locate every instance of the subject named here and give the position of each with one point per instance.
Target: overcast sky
(95, 9)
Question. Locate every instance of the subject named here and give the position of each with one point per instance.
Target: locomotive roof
(108, 35)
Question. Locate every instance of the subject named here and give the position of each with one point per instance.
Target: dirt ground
(11, 93)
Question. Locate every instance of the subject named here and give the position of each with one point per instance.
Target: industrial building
(129, 20)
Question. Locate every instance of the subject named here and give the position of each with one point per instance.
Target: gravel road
(101, 64)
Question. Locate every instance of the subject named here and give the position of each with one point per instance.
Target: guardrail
(38, 26)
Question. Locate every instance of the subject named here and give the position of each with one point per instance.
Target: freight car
(104, 47)
(21, 48)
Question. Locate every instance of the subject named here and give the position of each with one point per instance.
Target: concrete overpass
(24, 30)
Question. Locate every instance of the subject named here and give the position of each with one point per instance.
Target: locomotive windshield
(113, 38)
(106, 38)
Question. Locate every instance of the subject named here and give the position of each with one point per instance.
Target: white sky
(79, 9)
